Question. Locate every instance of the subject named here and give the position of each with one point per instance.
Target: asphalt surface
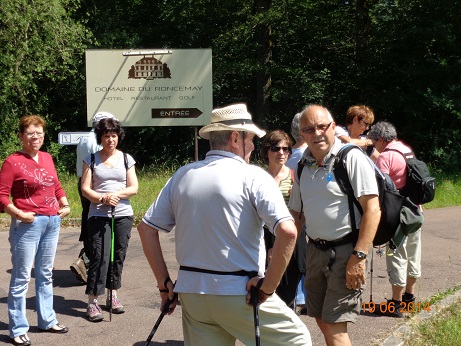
(441, 265)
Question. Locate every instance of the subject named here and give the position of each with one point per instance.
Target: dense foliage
(401, 57)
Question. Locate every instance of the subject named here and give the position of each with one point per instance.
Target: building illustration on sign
(149, 68)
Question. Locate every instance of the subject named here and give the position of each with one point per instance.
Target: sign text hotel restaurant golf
(152, 87)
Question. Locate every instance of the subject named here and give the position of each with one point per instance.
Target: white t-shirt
(86, 145)
(218, 207)
(296, 155)
(341, 131)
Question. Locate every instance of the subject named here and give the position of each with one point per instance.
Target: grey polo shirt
(325, 206)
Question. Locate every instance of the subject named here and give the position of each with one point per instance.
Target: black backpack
(398, 213)
(390, 200)
(420, 186)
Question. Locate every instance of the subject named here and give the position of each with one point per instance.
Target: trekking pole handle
(254, 301)
(168, 302)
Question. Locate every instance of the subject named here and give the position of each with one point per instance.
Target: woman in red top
(37, 207)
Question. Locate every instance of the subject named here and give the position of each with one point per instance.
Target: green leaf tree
(40, 65)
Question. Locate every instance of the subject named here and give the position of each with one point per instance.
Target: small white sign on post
(71, 138)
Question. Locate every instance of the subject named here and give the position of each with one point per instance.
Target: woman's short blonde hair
(361, 112)
(28, 120)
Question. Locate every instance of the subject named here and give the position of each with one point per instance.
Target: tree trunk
(264, 59)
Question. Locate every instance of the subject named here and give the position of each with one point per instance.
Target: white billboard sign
(150, 87)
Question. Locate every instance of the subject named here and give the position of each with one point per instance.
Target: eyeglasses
(276, 149)
(320, 128)
(36, 134)
(366, 124)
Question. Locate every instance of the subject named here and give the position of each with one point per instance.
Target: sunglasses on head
(276, 149)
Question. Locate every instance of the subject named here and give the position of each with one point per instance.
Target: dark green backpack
(420, 186)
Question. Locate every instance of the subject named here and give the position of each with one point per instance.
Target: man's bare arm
(153, 251)
(356, 267)
(284, 244)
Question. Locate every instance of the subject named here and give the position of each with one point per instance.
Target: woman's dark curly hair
(109, 125)
(273, 138)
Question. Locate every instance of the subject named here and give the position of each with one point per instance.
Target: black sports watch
(360, 254)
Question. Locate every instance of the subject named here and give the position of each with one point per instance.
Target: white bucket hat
(231, 118)
(102, 115)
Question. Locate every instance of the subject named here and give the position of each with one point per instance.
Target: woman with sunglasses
(37, 207)
(275, 151)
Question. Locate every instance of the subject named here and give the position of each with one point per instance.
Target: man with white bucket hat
(218, 207)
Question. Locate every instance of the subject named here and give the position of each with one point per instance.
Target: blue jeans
(301, 293)
(32, 244)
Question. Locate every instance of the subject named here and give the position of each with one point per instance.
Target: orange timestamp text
(384, 307)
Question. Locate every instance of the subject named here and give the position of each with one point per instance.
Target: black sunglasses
(276, 149)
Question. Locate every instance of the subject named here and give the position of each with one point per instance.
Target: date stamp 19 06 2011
(390, 307)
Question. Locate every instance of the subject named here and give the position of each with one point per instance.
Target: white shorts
(405, 261)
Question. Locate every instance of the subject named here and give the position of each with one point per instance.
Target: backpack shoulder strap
(125, 158)
(342, 179)
(92, 167)
(340, 171)
(92, 162)
(411, 154)
(299, 170)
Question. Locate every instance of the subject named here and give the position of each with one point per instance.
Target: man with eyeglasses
(336, 258)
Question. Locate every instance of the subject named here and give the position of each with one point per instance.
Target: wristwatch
(360, 254)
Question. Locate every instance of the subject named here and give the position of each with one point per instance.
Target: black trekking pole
(372, 308)
(165, 309)
(112, 211)
(371, 276)
(254, 301)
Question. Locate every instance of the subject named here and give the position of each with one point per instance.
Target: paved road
(441, 270)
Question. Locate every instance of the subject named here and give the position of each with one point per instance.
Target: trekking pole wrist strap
(165, 290)
(258, 286)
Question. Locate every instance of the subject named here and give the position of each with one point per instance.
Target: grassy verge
(448, 188)
(443, 328)
(151, 181)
